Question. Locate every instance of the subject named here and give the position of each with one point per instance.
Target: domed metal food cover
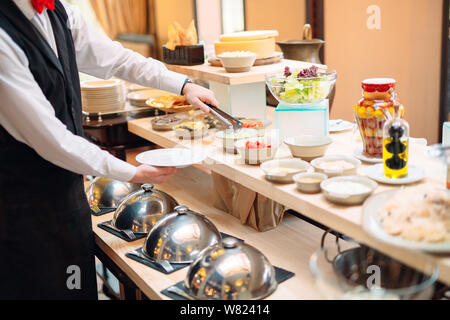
(142, 209)
(232, 270)
(180, 236)
(108, 193)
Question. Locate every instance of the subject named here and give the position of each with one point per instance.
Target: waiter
(46, 239)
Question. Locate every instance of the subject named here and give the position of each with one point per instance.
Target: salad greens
(301, 86)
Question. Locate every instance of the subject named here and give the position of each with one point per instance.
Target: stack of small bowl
(100, 96)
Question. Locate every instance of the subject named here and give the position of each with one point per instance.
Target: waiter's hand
(149, 174)
(197, 95)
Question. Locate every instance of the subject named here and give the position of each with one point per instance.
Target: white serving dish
(309, 187)
(297, 166)
(241, 63)
(371, 224)
(334, 173)
(257, 156)
(228, 142)
(344, 197)
(376, 172)
(308, 147)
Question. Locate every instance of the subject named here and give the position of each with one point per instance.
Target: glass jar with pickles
(373, 109)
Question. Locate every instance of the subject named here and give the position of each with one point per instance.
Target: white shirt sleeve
(30, 118)
(101, 57)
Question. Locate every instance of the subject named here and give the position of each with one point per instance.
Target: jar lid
(378, 84)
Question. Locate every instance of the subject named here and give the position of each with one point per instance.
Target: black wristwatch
(185, 82)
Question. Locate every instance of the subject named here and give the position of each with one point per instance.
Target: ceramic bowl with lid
(108, 193)
(181, 236)
(231, 270)
(140, 210)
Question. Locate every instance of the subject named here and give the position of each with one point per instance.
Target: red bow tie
(40, 4)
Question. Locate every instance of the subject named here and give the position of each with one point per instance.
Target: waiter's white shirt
(29, 117)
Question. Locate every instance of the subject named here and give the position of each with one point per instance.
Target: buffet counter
(344, 219)
(193, 187)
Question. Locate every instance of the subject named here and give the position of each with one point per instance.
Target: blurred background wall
(407, 47)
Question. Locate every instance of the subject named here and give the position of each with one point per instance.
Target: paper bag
(249, 207)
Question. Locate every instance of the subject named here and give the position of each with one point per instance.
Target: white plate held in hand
(175, 157)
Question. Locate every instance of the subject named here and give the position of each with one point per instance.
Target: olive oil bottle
(395, 146)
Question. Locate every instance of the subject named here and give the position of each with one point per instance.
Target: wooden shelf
(192, 187)
(345, 219)
(218, 74)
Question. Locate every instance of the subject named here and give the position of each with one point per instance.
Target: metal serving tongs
(225, 118)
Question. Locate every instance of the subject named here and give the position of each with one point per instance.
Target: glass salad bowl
(298, 86)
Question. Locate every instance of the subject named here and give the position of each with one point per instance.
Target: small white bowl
(229, 138)
(293, 166)
(257, 156)
(308, 147)
(237, 63)
(309, 186)
(343, 197)
(333, 173)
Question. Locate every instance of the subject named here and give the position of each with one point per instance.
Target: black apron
(46, 238)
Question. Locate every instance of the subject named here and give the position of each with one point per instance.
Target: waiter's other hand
(198, 96)
(149, 174)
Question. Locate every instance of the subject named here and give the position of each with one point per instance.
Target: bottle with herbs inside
(373, 109)
(395, 146)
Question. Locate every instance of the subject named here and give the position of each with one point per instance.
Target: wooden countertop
(218, 74)
(289, 246)
(345, 219)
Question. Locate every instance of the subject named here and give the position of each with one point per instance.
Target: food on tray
(347, 187)
(335, 165)
(178, 36)
(191, 125)
(371, 112)
(251, 123)
(173, 101)
(260, 42)
(302, 85)
(418, 215)
(165, 120)
(256, 145)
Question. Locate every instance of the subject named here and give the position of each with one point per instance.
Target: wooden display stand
(241, 94)
(344, 219)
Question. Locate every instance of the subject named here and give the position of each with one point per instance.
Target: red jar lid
(378, 84)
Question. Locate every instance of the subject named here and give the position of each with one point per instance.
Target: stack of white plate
(138, 98)
(103, 95)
